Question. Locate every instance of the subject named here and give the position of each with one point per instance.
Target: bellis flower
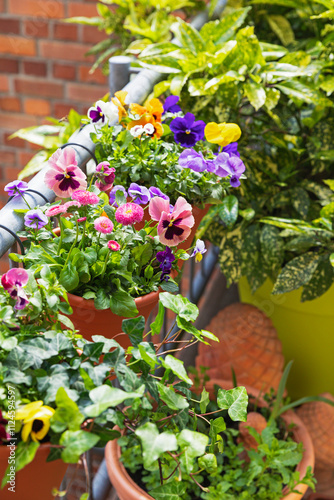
(139, 194)
(199, 250)
(113, 246)
(55, 210)
(64, 176)
(170, 104)
(154, 191)
(222, 133)
(105, 176)
(102, 113)
(112, 195)
(174, 227)
(103, 225)
(81, 219)
(16, 188)
(72, 203)
(166, 258)
(187, 131)
(13, 282)
(189, 158)
(36, 420)
(85, 197)
(129, 213)
(35, 219)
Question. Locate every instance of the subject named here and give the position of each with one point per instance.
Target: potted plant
(57, 398)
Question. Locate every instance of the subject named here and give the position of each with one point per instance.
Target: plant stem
(160, 472)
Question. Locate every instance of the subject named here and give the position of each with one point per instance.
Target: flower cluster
(13, 281)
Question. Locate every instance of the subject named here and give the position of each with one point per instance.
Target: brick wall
(43, 71)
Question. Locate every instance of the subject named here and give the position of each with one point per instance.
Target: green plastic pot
(306, 330)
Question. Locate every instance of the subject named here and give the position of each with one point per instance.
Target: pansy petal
(157, 206)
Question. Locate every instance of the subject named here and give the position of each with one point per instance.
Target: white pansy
(137, 130)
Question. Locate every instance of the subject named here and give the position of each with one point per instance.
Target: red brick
(90, 34)
(37, 107)
(8, 157)
(14, 121)
(25, 157)
(51, 9)
(9, 65)
(64, 31)
(43, 89)
(85, 93)
(17, 45)
(35, 68)
(8, 25)
(4, 83)
(61, 109)
(15, 143)
(36, 28)
(12, 172)
(96, 77)
(2, 5)
(80, 9)
(10, 104)
(64, 71)
(64, 51)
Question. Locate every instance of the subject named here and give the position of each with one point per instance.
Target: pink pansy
(85, 197)
(113, 245)
(103, 225)
(175, 226)
(129, 213)
(64, 176)
(70, 204)
(55, 210)
(14, 281)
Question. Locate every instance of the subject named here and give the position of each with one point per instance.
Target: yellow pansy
(222, 133)
(36, 420)
(119, 101)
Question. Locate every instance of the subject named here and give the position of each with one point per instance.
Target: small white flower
(137, 130)
(149, 129)
(102, 113)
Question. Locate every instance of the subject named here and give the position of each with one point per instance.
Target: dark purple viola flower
(112, 195)
(13, 282)
(232, 149)
(96, 114)
(170, 104)
(186, 131)
(35, 219)
(16, 188)
(139, 194)
(189, 158)
(154, 191)
(166, 258)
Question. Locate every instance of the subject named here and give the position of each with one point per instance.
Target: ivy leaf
(75, 444)
(157, 324)
(169, 491)
(208, 462)
(177, 367)
(134, 327)
(67, 415)
(204, 401)
(180, 305)
(193, 444)
(173, 401)
(153, 443)
(228, 210)
(235, 401)
(105, 397)
(296, 273)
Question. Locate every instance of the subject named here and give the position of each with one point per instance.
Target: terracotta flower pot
(127, 489)
(36, 480)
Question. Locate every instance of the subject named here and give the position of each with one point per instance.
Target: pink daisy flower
(113, 246)
(55, 210)
(129, 213)
(85, 197)
(103, 225)
(64, 176)
(70, 204)
(175, 226)
(82, 219)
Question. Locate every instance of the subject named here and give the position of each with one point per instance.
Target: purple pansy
(112, 196)
(154, 191)
(35, 219)
(190, 158)
(187, 131)
(103, 112)
(166, 258)
(232, 149)
(105, 176)
(170, 104)
(139, 194)
(16, 188)
(13, 282)
(229, 165)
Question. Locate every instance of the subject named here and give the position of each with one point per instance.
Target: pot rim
(89, 303)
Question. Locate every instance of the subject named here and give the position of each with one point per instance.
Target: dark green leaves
(69, 277)
(296, 273)
(134, 327)
(122, 304)
(228, 210)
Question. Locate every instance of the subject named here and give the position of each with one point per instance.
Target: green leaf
(67, 415)
(301, 92)
(169, 491)
(320, 282)
(142, 254)
(255, 94)
(75, 444)
(69, 277)
(235, 401)
(208, 462)
(282, 28)
(180, 305)
(122, 304)
(147, 354)
(228, 210)
(224, 29)
(102, 299)
(193, 444)
(134, 327)
(204, 401)
(188, 36)
(173, 401)
(159, 320)
(34, 165)
(300, 201)
(105, 397)
(153, 443)
(272, 248)
(296, 273)
(177, 367)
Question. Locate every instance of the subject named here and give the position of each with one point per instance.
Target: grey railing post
(119, 73)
